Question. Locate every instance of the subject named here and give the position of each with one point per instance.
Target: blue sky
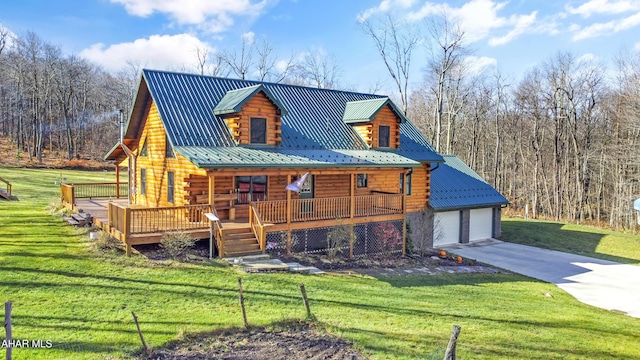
(511, 35)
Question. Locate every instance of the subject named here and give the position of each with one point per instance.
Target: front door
(306, 192)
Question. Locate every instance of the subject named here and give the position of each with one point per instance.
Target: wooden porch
(136, 224)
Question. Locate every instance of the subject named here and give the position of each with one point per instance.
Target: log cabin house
(196, 144)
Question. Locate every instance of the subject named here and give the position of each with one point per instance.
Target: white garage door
(480, 224)
(446, 228)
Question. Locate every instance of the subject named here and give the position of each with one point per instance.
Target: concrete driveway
(604, 284)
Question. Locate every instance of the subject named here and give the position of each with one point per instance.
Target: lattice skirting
(377, 238)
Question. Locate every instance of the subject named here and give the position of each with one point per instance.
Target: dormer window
(258, 131)
(383, 136)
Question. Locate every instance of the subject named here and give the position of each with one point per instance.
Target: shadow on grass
(552, 236)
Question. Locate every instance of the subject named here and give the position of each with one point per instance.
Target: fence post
(144, 343)
(7, 327)
(450, 354)
(244, 313)
(306, 301)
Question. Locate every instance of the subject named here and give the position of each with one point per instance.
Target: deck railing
(320, 209)
(8, 187)
(258, 227)
(164, 219)
(106, 190)
(386, 204)
(275, 212)
(100, 190)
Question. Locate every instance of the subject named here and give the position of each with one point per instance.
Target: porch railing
(258, 227)
(106, 190)
(275, 212)
(100, 190)
(134, 221)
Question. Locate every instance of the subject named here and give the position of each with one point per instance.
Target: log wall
(369, 131)
(157, 166)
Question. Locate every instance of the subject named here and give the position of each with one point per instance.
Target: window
(362, 181)
(143, 150)
(168, 149)
(251, 188)
(171, 183)
(143, 182)
(402, 187)
(383, 136)
(258, 131)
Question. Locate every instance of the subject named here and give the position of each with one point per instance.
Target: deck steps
(79, 220)
(4, 194)
(240, 242)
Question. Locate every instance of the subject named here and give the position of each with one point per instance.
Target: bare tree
(395, 44)
(448, 52)
(318, 69)
(241, 62)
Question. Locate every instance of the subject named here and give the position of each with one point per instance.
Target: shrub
(106, 242)
(389, 236)
(176, 243)
(337, 238)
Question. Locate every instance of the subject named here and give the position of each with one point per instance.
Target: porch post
(288, 215)
(353, 198)
(212, 186)
(117, 180)
(404, 212)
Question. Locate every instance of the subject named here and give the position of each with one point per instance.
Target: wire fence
(379, 238)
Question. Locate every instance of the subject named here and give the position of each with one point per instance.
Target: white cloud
(592, 7)
(385, 6)
(158, 51)
(10, 36)
(212, 15)
(611, 27)
(479, 18)
(637, 46)
(587, 58)
(523, 24)
(476, 65)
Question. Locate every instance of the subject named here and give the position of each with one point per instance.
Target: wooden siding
(259, 106)
(157, 166)
(420, 188)
(369, 131)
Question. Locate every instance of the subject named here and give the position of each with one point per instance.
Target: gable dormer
(252, 114)
(376, 120)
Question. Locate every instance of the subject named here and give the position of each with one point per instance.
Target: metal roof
(233, 100)
(452, 187)
(266, 156)
(313, 118)
(366, 110)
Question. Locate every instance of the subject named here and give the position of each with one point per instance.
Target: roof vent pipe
(121, 126)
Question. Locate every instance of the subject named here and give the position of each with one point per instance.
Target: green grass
(82, 301)
(572, 238)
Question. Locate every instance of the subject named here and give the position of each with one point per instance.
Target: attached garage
(480, 224)
(446, 228)
(465, 207)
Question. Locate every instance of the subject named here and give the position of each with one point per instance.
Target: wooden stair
(4, 194)
(79, 220)
(240, 242)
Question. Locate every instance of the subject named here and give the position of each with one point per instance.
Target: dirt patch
(298, 341)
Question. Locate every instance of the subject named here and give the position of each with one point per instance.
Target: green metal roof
(268, 157)
(454, 185)
(366, 110)
(233, 100)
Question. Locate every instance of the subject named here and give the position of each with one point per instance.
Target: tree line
(561, 142)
